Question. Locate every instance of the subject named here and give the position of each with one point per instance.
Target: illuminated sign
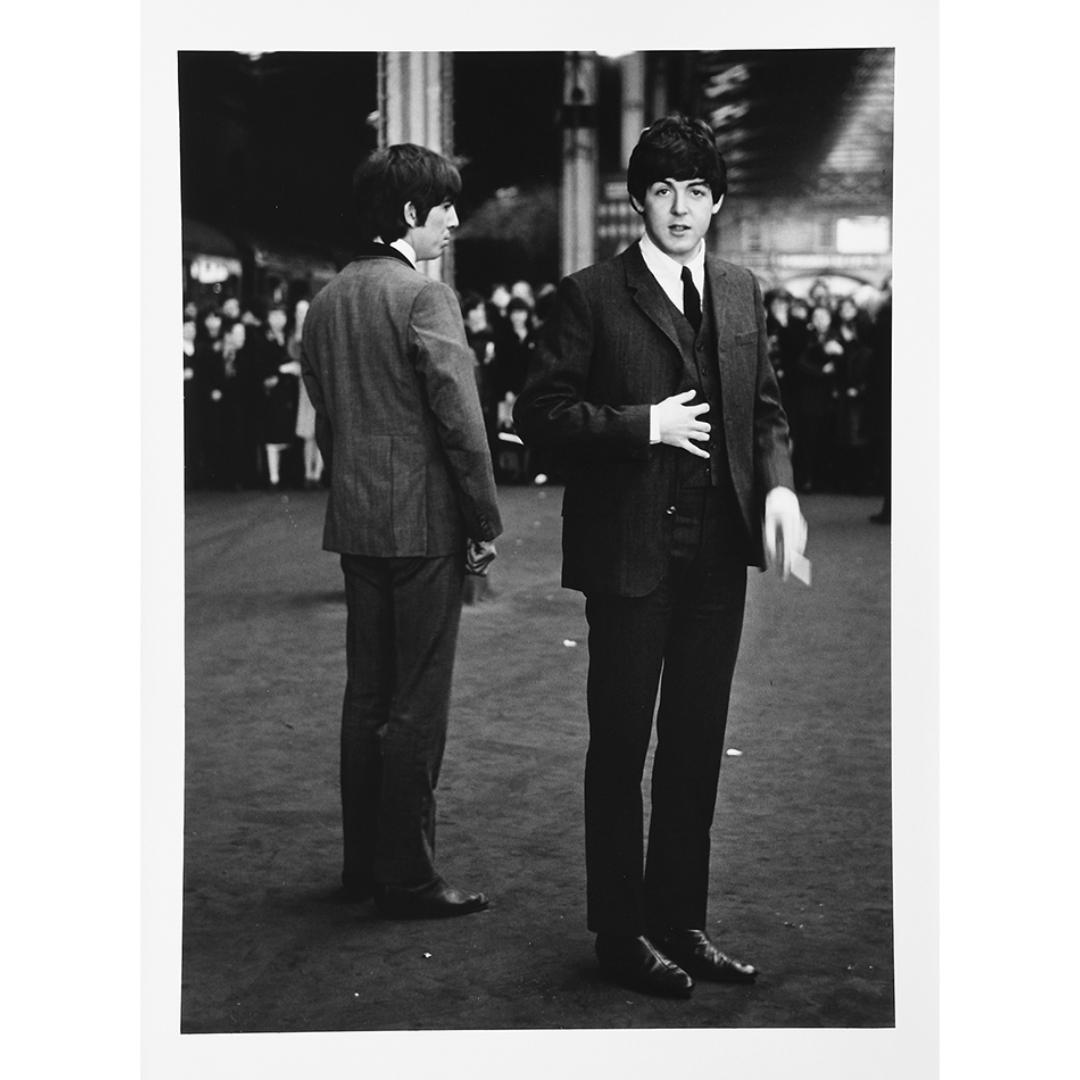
(862, 235)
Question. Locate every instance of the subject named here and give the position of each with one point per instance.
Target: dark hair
(677, 148)
(389, 178)
(518, 303)
(472, 300)
(545, 304)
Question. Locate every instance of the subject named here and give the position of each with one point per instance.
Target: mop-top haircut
(676, 148)
(389, 178)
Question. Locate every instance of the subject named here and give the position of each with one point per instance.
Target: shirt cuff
(654, 426)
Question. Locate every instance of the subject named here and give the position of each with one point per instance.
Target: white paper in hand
(800, 567)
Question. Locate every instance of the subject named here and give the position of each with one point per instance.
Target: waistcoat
(701, 372)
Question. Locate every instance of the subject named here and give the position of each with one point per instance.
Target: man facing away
(411, 502)
(658, 391)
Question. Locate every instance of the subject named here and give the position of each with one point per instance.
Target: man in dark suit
(668, 417)
(411, 508)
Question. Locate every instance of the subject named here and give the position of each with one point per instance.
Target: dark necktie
(691, 299)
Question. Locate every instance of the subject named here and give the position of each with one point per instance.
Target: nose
(678, 202)
(452, 218)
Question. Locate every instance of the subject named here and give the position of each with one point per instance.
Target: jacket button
(670, 511)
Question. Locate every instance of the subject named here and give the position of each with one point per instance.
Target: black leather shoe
(693, 951)
(635, 962)
(436, 900)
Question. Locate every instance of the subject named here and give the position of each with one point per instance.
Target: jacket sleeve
(323, 434)
(445, 364)
(556, 408)
(772, 447)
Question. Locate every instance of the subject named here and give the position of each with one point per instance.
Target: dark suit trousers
(403, 616)
(682, 638)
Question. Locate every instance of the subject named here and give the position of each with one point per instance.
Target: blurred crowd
(248, 421)
(833, 359)
(503, 330)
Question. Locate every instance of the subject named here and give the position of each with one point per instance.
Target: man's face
(231, 308)
(677, 215)
(277, 320)
(429, 240)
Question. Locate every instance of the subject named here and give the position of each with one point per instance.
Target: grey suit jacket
(386, 364)
(615, 352)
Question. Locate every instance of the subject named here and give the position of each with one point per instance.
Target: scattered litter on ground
(732, 752)
(570, 643)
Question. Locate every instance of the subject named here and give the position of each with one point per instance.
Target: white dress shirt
(402, 245)
(668, 272)
(406, 249)
(668, 275)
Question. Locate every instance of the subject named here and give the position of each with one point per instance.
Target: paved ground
(801, 867)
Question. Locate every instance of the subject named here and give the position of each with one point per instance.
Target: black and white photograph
(537, 630)
(538, 598)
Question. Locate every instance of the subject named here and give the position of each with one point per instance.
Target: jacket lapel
(648, 295)
(716, 286)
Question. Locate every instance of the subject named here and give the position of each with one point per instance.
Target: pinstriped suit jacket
(388, 369)
(614, 353)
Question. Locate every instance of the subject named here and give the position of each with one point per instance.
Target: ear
(718, 204)
(408, 212)
(636, 205)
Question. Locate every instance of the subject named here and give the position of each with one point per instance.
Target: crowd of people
(249, 423)
(503, 331)
(833, 360)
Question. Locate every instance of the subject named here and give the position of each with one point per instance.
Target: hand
(828, 368)
(478, 557)
(785, 529)
(292, 367)
(678, 423)
(271, 382)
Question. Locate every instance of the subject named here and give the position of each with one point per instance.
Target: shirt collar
(406, 249)
(400, 245)
(668, 272)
